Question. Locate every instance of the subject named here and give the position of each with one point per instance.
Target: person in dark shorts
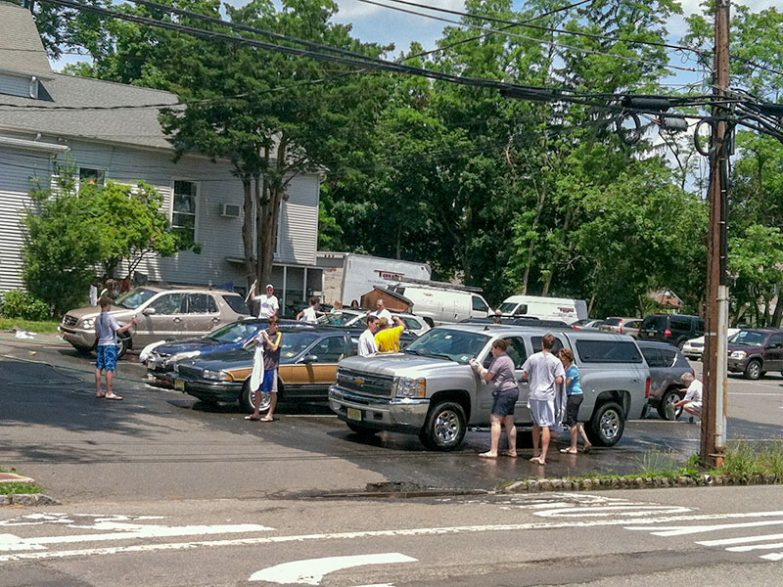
(575, 396)
(504, 397)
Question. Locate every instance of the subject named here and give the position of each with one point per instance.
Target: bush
(20, 304)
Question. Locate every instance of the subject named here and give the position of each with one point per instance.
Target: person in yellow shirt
(388, 337)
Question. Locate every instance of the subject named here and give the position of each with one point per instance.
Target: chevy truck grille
(366, 383)
(69, 320)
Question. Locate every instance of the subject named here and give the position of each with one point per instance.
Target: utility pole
(713, 425)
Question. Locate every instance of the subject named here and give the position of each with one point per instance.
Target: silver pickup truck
(430, 389)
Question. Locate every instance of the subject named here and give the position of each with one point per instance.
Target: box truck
(348, 276)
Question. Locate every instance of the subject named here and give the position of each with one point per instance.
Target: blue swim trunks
(107, 357)
(268, 383)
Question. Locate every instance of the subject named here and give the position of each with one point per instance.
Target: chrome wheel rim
(266, 400)
(447, 427)
(610, 424)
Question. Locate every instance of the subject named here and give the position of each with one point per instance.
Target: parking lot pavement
(162, 444)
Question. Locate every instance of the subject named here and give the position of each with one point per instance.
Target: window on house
(88, 175)
(183, 210)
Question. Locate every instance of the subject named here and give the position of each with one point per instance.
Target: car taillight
(667, 333)
(647, 387)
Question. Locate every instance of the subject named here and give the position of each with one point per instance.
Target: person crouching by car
(272, 340)
(504, 397)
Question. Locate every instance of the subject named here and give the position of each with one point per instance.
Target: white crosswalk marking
(684, 530)
(742, 540)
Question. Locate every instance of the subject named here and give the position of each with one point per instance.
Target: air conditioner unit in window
(230, 210)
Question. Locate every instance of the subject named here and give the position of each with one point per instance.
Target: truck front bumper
(402, 414)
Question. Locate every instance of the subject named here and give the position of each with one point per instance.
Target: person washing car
(692, 402)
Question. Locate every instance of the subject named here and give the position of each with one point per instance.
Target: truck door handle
(177, 319)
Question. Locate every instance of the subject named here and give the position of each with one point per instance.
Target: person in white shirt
(310, 313)
(545, 373)
(268, 305)
(367, 344)
(692, 402)
(382, 312)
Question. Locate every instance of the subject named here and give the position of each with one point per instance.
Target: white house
(110, 131)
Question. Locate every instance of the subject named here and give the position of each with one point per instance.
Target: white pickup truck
(429, 389)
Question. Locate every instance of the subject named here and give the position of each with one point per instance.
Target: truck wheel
(606, 426)
(669, 398)
(445, 426)
(753, 370)
(362, 431)
(247, 399)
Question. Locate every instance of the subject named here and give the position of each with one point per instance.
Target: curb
(27, 499)
(567, 484)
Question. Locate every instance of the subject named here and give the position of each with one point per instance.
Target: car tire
(671, 396)
(247, 397)
(752, 370)
(607, 424)
(362, 431)
(123, 344)
(445, 426)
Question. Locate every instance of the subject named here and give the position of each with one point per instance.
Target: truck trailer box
(348, 276)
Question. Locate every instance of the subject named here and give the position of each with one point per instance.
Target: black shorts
(572, 409)
(503, 403)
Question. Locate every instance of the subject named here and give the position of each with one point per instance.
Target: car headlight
(88, 323)
(738, 355)
(409, 387)
(216, 375)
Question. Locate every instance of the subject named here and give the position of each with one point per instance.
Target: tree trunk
(247, 230)
(777, 315)
(531, 247)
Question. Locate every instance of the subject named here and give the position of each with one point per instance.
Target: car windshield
(235, 332)
(455, 345)
(134, 298)
(506, 307)
(338, 319)
(749, 338)
(295, 342)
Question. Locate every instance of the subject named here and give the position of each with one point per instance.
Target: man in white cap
(268, 305)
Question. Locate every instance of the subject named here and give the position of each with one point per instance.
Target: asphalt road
(161, 490)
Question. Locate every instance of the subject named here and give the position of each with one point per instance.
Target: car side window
(536, 341)
(168, 304)
(479, 305)
(330, 349)
(775, 341)
(679, 324)
(653, 357)
(411, 324)
(606, 351)
(516, 350)
(668, 358)
(201, 304)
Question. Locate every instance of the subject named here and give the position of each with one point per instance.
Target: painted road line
(412, 532)
(10, 542)
(742, 540)
(312, 571)
(774, 546)
(612, 510)
(684, 530)
(775, 556)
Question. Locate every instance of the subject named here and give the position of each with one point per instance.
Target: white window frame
(197, 202)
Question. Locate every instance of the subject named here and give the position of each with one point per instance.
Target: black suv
(672, 328)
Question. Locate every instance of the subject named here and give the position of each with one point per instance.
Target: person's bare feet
(112, 396)
(510, 453)
(267, 419)
(538, 461)
(488, 455)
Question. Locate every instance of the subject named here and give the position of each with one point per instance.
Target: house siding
(18, 169)
(220, 238)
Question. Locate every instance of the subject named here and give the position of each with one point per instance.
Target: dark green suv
(672, 328)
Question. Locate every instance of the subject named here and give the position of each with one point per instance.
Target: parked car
(429, 389)
(351, 319)
(308, 366)
(694, 348)
(164, 314)
(436, 305)
(675, 329)
(667, 366)
(160, 358)
(629, 326)
(754, 351)
(587, 324)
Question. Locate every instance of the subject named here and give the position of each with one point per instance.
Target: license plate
(354, 414)
(179, 385)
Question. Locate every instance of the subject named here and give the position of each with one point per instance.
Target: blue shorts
(268, 382)
(107, 357)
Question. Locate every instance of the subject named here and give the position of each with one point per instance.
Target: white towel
(258, 368)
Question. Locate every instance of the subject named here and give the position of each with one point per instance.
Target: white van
(443, 306)
(544, 308)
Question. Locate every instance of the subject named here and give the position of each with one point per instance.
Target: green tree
(73, 229)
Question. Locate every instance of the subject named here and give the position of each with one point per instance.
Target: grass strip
(41, 327)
